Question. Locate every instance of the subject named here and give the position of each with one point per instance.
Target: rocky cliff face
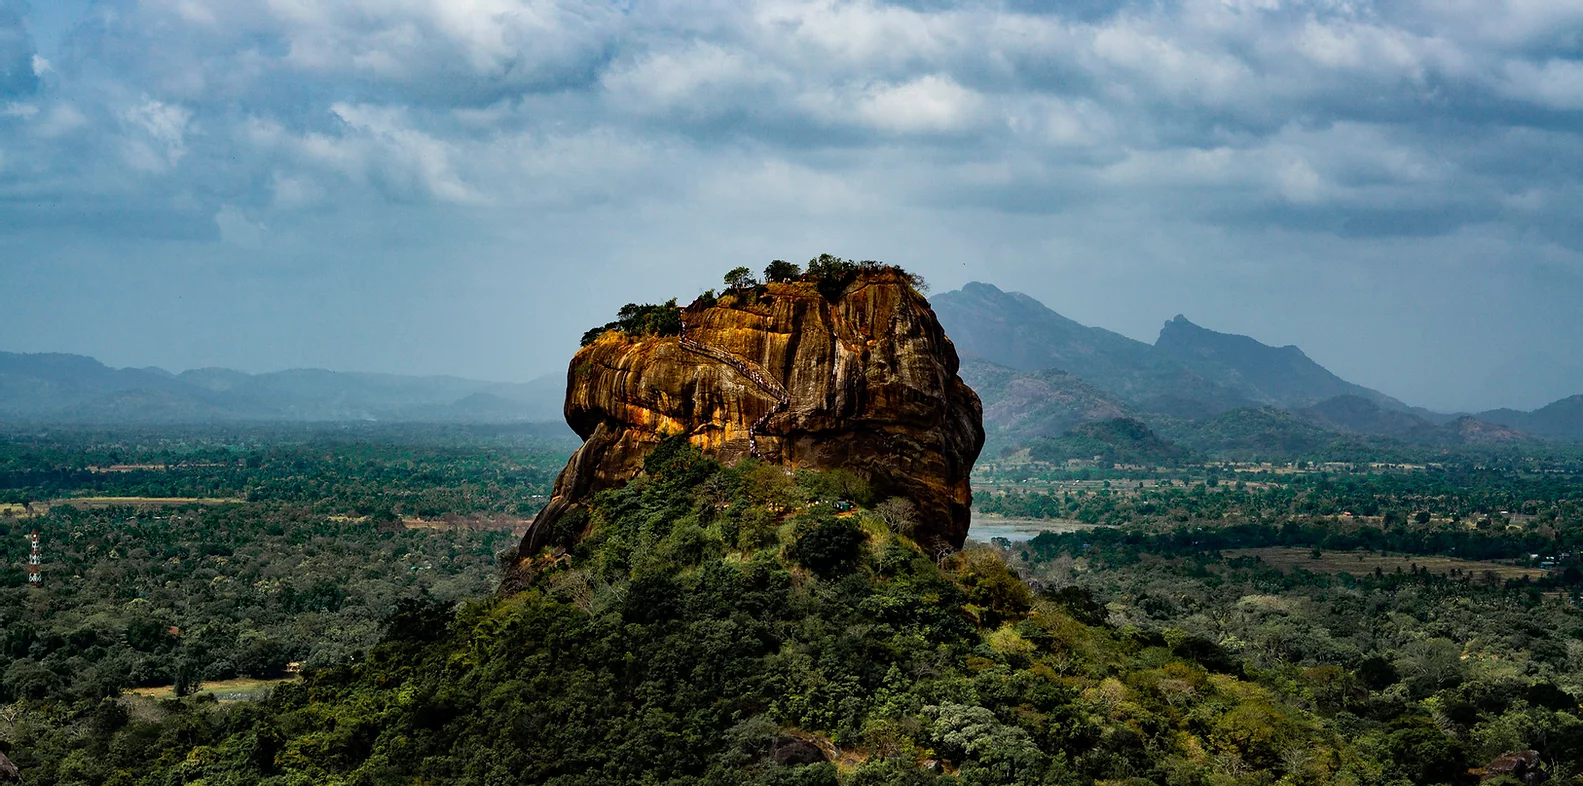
(864, 379)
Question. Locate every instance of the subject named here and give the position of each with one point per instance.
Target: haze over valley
(1039, 373)
(791, 393)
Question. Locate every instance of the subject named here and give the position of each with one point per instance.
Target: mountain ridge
(1041, 374)
(1560, 419)
(68, 388)
(1190, 371)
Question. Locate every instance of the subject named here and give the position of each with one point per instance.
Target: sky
(465, 186)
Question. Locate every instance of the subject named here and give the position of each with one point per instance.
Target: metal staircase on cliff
(764, 383)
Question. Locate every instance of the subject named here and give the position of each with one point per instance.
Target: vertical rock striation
(862, 379)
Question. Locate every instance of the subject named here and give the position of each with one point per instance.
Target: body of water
(1017, 530)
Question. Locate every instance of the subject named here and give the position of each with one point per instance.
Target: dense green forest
(698, 636)
(1466, 669)
(729, 625)
(1454, 495)
(283, 545)
(340, 469)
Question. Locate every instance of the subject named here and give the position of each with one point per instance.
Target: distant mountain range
(61, 388)
(1559, 420)
(1041, 375)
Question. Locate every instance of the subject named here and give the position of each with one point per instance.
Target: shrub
(740, 278)
(831, 274)
(782, 272)
(828, 546)
(900, 515)
(641, 319)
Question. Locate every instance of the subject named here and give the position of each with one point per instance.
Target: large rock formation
(862, 378)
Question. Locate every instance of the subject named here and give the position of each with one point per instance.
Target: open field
(1359, 563)
(242, 689)
(515, 524)
(143, 502)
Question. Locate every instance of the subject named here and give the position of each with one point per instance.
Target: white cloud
(1556, 84)
(1237, 105)
(518, 41)
(427, 158)
(928, 104)
(163, 142)
(699, 79)
(1170, 69)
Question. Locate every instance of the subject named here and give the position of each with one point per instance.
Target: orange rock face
(865, 381)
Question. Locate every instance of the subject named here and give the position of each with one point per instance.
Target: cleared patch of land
(477, 524)
(241, 689)
(143, 502)
(1359, 563)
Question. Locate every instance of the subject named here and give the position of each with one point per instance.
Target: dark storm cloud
(1024, 137)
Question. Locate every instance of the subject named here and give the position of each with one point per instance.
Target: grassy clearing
(130, 468)
(144, 502)
(1359, 563)
(501, 523)
(241, 689)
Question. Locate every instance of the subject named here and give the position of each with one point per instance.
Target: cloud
(163, 138)
(929, 103)
(1554, 84)
(1327, 121)
(399, 97)
(19, 74)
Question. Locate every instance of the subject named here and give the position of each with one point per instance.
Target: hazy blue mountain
(1280, 376)
(74, 388)
(1189, 372)
(1253, 433)
(1469, 430)
(1042, 375)
(1014, 330)
(1361, 415)
(1558, 420)
(1020, 405)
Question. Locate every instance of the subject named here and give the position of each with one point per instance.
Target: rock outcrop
(862, 378)
(1519, 766)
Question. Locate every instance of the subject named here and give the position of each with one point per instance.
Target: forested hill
(63, 388)
(732, 626)
(1559, 420)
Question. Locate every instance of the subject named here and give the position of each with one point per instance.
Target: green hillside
(727, 626)
(1117, 441)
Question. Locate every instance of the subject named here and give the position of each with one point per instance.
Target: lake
(1017, 530)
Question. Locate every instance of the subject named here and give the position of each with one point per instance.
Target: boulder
(795, 751)
(861, 378)
(1523, 766)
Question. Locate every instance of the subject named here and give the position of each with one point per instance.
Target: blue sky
(463, 186)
